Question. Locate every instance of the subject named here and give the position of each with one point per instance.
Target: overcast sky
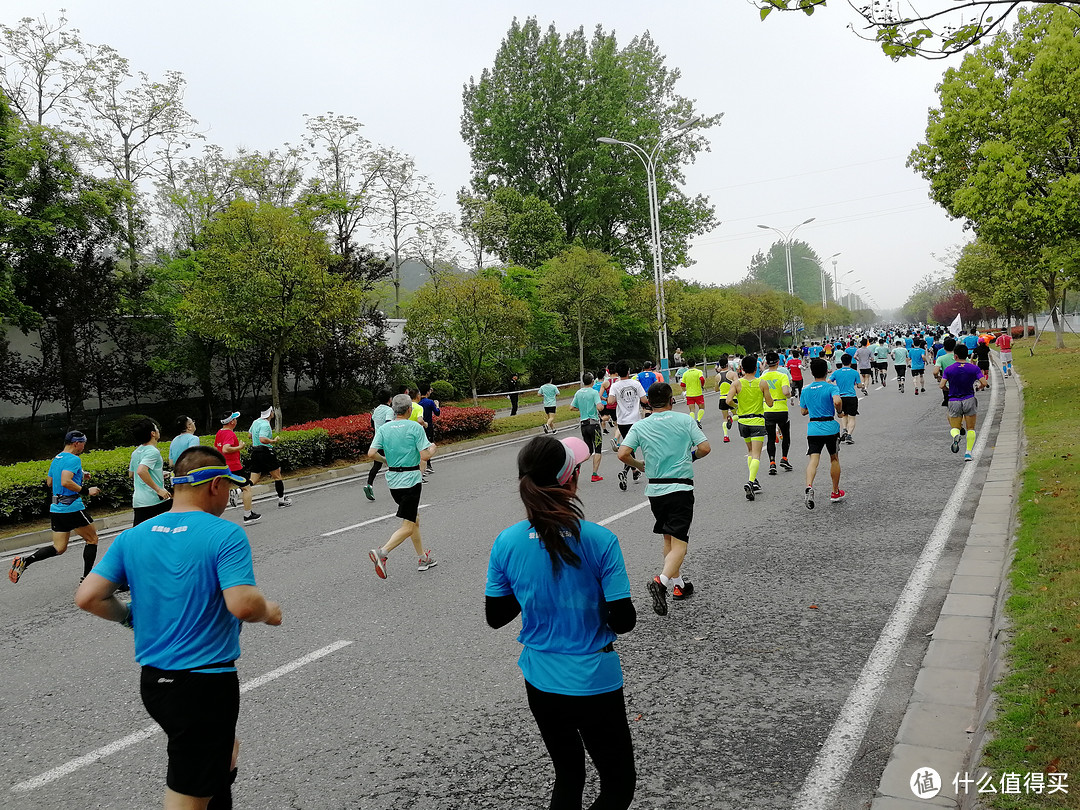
(817, 123)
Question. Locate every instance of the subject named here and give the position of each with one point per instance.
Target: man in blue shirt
(67, 511)
(847, 381)
(192, 585)
(821, 401)
(431, 410)
(382, 414)
(263, 458)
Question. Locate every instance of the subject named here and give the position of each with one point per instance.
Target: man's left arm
(97, 595)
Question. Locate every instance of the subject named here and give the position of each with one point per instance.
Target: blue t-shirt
(909, 343)
(66, 461)
(563, 617)
(181, 443)
(549, 392)
(666, 439)
(260, 428)
(146, 455)
(401, 442)
(918, 358)
(429, 409)
(845, 379)
(587, 401)
(815, 351)
(850, 351)
(177, 566)
(971, 341)
(817, 398)
(646, 378)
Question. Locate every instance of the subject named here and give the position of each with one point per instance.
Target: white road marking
(369, 522)
(148, 732)
(623, 513)
(830, 768)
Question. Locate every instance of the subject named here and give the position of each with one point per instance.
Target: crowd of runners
(538, 566)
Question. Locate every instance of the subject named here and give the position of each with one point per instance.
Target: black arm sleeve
(501, 610)
(621, 616)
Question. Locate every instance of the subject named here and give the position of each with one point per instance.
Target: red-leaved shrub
(453, 421)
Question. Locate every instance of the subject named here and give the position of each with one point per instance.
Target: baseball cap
(74, 437)
(228, 416)
(577, 452)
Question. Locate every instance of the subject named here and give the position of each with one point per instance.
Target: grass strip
(1038, 701)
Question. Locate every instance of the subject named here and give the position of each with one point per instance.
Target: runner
(960, 380)
(776, 415)
(794, 367)
(918, 364)
(725, 376)
(942, 361)
(751, 396)
(405, 446)
(263, 458)
(607, 415)
(693, 383)
(147, 470)
(670, 442)
(881, 361)
(226, 443)
(587, 403)
(982, 358)
(864, 360)
(821, 401)
(191, 576)
(431, 410)
(68, 514)
(538, 567)
(971, 340)
(550, 393)
(628, 396)
(382, 414)
(1004, 344)
(185, 437)
(846, 379)
(900, 362)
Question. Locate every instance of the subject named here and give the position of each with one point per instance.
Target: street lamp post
(821, 267)
(648, 160)
(786, 237)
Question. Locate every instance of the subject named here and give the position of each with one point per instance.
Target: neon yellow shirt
(750, 403)
(694, 382)
(776, 381)
(417, 412)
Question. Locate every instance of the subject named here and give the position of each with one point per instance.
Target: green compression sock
(954, 432)
(755, 463)
(970, 440)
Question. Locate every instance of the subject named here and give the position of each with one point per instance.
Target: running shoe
(923, 390)
(685, 591)
(726, 439)
(772, 468)
(554, 431)
(596, 478)
(837, 496)
(380, 562)
(658, 592)
(843, 437)
(749, 490)
(756, 485)
(18, 565)
(850, 439)
(369, 493)
(916, 392)
(809, 497)
(786, 464)
(729, 423)
(233, 500)
(284, 502)
(423, 478)
(955, 446)
(968, 457)
(614, 444)
(622, 480)
(254, 517)
(423, 564)
(637, 474)
(545, 428)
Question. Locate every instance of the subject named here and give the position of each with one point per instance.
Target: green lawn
(1038, 725)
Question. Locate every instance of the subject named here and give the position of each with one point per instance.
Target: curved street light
(786, 238)
(821, 267)
(648, 160)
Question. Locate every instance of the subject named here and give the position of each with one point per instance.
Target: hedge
(350, 436)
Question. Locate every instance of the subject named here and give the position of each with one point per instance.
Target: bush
(348, 437)
(453, 421)
(302, 409)
(296, 449)
(117, 432)
(1018, 331)
(443, 391)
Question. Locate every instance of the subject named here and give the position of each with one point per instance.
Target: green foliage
(443, 390)
(567, 91)
(298, 449)
(520, 229)
(117, 432)
(770, 269)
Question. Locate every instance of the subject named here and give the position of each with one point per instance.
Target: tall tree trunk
(70, 367)
(275, 393)
(581, 344)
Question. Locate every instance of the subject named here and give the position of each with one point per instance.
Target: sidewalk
(944, 727)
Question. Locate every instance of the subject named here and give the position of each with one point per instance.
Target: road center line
(623, 514)
(368, 522)
(148, 732)
(834, 760)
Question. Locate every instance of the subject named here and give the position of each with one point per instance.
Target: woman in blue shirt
(567, 579)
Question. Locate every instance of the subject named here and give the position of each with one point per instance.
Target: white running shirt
(628, 394)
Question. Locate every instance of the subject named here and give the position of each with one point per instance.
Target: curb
(952, 702)
(115, 523)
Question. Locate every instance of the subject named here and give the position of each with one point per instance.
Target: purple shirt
(961, 378)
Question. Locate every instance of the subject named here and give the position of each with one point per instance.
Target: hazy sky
(818, 123)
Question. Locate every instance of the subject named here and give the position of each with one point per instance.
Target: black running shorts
(674, 513)
(751, 431)
(624, 429)
(263, 461)
(593, 438)
(66, 522)
(408, 501)
(197, 711)
(850, 406)
(901, 371)
(814, 444)
(549, 409)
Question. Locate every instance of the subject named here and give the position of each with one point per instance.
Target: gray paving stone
(932, 725)
(950, 687)
(984, 586)
(948, 653)
(960, 604)
(979, 568)
(998, 538)
(964, 628)
(906, 760)
(983, 553)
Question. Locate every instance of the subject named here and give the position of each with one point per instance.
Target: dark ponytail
(550, 507)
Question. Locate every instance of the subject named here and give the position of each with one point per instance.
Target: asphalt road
(730, 696)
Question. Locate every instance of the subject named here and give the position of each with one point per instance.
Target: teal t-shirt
(881, 352)
(401, 442)
(381, 415)
(181, 443)
(666, 439)
(150, 456)
(587, 400)
(260, 428)
(549, 392)
(899, 356)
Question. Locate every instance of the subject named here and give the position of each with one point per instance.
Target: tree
(192, 192)
(41, 66)
(1000, 152)
(956, 304)
(582, 286)
(468, 320)
(762, 311)
(565, 92)
(770, 269)
(264, 281)
(709, 314)
(933, 33)
(520, 229)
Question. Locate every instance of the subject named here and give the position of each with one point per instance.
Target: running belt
(404, 469)
(688, 481)
(821, 419)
